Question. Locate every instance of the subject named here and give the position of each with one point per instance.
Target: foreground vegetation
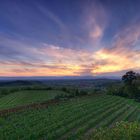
(72, 120)
(121, 131)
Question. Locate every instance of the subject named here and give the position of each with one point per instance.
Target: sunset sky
(69, 37)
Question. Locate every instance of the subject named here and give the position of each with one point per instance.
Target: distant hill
(19, 83)
(40, 78)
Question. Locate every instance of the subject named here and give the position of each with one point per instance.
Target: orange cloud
(122, 55)
(22, 71)
(115, 61)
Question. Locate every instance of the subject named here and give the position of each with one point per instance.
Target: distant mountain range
(57, 77)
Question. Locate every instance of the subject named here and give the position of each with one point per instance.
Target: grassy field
(27, 97)
(71, 120)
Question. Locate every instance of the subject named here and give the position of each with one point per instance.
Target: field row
(73, 120)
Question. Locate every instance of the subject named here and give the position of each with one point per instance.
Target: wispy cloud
(96, 20)
(47, 13)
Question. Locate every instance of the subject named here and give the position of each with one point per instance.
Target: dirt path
(5, 112)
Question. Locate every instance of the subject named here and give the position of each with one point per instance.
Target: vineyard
(25, 97)
(71, 120)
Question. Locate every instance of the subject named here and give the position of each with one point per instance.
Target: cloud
(23, 58)
(96, 33)
(123, 54)
(20, 58)
(52, 60)
(64, 54)
(96, 20)
(52, 16)
(129, 37)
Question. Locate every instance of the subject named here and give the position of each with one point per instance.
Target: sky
(69, 37)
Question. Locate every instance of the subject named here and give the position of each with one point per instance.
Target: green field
(71, 120)
(27, 97)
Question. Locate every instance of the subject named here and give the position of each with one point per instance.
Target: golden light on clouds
(72, 62)
(54, 60)
(116, 61)
(91, 39)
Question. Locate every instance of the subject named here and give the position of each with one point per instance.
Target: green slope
(71, 120)
(26, 97)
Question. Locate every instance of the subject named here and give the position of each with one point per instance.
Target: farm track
(29, 106)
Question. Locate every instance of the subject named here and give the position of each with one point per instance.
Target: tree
(129, 77)
(131, 87)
